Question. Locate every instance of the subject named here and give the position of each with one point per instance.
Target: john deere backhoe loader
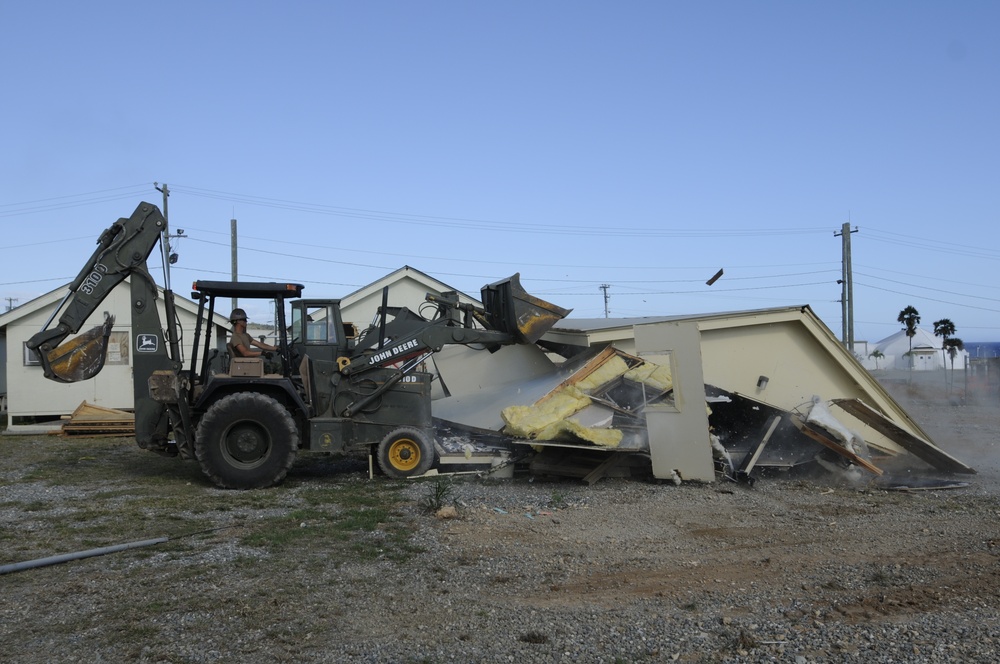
(336, 390)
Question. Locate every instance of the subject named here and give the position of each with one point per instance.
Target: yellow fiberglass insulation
(527, 421)
(656, 376)
(549, 420)
(615, 366)
(573, 431)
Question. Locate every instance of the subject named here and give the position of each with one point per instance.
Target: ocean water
(983, 348)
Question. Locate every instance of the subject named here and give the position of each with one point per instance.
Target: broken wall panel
(799, 357)
(679, 440)
(919, 447)
(482, 384)
(583, 407)
(465, 370)
(739, 421)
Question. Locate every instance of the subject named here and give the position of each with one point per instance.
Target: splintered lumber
(89, 419)
(835, 446)
(916, 446)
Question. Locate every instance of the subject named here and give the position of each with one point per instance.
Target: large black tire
(406, 452)
(246, 441)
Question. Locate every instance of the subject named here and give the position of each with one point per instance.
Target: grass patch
(99, 492)
(439, 493)
(234, 560)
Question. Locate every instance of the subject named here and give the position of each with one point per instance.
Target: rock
(447, 512)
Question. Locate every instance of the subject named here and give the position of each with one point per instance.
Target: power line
(37, 244)
(483, 224)
(521, 264)
(935, 278)
(933, 242)
(931, 299)
(928, 288)
(63, 202)
(703, 291)
(62, 198)
(929, 245)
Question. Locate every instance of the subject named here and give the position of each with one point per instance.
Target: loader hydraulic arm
(406, 342)
(409, 335)
(122, 250)
(510, 316)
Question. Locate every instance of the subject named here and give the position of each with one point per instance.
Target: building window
(117, 352)
(117, 348)
(31, 358)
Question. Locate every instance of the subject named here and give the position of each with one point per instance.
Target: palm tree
(944, 328)
(910, 318)
(876, 354)
(954, 345)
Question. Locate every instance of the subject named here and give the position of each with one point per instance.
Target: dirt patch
(333, 567)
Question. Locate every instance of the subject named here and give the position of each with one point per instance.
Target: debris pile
(593, 420)
(598, 404)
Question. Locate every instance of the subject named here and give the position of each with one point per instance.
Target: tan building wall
(799, 356)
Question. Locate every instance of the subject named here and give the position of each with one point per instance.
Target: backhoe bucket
(510, 309)
(80, 358)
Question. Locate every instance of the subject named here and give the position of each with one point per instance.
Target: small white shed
(921, 353)
(32, 398)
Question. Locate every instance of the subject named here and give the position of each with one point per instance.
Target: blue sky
(638, 145)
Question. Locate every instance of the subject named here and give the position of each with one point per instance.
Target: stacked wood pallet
(91, 420)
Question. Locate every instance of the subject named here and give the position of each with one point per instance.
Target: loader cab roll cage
(318, 330)
(206, 292)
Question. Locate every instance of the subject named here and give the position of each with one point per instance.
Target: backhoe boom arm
(122, 250)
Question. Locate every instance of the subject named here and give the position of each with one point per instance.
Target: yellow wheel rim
(404, 454)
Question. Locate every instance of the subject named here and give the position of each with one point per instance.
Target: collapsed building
(691, 398)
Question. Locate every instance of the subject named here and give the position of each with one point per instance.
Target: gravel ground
(532, 570)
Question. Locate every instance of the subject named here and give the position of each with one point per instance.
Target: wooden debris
(835, 446)
(92, 420)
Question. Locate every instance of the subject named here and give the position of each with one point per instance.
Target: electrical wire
(935, 278)
(928, 288)
(70, 201)
(931, 245)
(928, 299)
(608, 229)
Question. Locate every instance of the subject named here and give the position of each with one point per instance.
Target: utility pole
(846, 286)
(233, 244)
(165, 237)
(10, 302)
(607, 298)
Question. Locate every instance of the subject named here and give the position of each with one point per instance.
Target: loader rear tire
(406, 452)
(246, 441)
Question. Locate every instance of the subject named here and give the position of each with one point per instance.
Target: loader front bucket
(80, 358)
(511, 310)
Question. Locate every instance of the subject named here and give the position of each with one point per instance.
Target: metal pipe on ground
(66, 557)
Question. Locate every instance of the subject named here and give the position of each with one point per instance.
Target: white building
(926, 353)
(408, 287)
(31, 397)
(27, 396)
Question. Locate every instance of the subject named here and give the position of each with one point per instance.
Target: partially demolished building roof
(778, 357)
(765, 387)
